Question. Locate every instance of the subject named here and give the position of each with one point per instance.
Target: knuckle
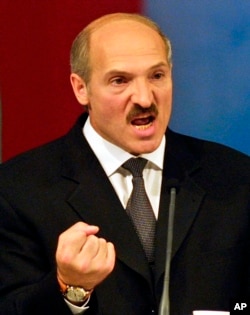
(79, 225)
(102, 242)
(61, 238)
(65, 258)
(85, 266)
(92, 238)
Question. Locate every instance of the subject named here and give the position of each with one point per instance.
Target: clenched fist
(82, 258)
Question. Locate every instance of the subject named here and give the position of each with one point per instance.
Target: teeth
(143, 127)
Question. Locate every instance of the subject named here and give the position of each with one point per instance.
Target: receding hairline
(82, 51)
(106, 19)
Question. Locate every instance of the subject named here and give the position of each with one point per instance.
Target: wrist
(74, 294)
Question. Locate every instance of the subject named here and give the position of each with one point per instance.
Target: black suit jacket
(45, 191)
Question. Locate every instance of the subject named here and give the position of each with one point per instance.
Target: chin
(142, 148)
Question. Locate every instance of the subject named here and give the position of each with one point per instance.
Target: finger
(111, 256)
(69, 246)
(84, 227)
(75, 237)
(90, 248)
(71, 243)
(97, 255)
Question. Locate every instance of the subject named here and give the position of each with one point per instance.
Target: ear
(79, 88)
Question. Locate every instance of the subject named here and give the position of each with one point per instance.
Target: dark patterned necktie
(139, 208)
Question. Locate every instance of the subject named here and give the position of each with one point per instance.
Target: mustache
(137, 110)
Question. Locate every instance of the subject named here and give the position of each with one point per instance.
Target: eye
(158, 75)
(118, 80)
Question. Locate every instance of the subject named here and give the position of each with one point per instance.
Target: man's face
(130, 89)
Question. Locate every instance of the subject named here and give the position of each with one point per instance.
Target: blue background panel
(211, 49)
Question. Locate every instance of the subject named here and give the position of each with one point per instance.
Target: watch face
(76, 294)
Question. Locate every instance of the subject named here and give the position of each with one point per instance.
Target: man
(68, 244)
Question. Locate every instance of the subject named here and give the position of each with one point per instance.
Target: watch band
(63, 286)
(71, 293)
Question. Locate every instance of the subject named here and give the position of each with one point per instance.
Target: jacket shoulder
(34, 168)
(219, 163)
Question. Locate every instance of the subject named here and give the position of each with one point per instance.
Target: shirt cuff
(77, 310)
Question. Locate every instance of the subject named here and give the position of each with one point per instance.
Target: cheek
(165, 101)
(113, 107)
(165, 107)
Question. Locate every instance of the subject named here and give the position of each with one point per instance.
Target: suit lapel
(96, 202)
(100, 209)
(187, 206)
(177, 165)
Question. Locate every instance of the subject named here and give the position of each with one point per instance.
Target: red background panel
(38, 104)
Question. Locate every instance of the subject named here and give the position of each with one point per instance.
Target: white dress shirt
(111, 157)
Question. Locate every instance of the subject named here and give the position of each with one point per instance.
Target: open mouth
(142, 123)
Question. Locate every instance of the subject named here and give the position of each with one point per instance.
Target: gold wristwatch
(75, 295)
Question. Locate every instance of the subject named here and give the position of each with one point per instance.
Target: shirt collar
(112, 157)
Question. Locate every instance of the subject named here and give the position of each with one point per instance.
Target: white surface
(210, 313)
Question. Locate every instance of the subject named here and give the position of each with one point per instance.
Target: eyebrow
(160, 64)
(125, 73)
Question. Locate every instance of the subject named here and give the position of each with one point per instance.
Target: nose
(142, 93)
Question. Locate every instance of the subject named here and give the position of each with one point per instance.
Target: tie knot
(135, 166)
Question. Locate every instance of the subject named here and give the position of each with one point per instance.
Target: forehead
(125, 39)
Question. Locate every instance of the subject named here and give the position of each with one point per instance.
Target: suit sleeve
(28, 282)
